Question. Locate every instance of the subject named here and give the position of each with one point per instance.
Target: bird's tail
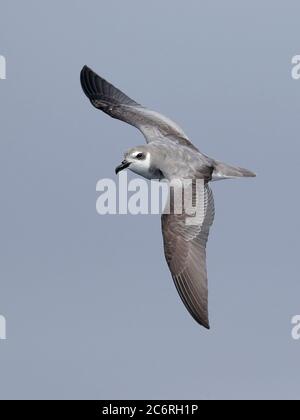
(224, 171)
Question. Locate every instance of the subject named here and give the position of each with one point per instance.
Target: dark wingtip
(96, 87)
(203, 322)
(85, 69)
(87, 80)
(83, 77)
(205, 325)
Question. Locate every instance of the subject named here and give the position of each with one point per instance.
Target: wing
(185, 252)
(116, 104)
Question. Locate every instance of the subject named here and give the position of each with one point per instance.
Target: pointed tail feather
(224, 171)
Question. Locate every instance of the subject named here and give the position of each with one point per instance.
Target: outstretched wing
(185, 251)
(116, 104)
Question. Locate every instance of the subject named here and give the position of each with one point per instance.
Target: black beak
(123, 165)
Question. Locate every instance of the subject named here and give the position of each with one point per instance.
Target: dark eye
(140, 156)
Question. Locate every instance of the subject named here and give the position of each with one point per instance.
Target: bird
(169, 154)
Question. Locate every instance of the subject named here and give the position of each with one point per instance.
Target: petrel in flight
(169, 155)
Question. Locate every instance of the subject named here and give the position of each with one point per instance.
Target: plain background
(90, 306)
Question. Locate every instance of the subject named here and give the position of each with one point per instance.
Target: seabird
(169, 155)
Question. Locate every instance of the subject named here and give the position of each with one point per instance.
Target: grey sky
(90, 305)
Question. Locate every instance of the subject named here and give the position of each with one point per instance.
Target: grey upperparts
(103, 95)
(184, 245)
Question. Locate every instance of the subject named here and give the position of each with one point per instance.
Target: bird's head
(138, 160)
